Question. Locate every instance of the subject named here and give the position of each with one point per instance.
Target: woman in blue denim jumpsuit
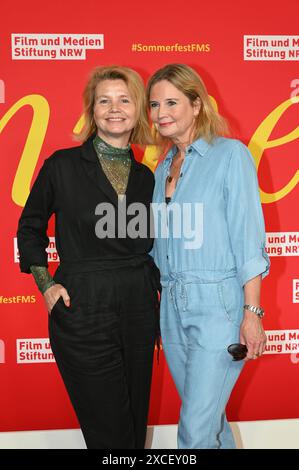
(210, 249)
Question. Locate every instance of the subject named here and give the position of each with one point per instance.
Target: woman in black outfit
(103, 297)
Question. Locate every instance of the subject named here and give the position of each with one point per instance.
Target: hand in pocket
(53, 294)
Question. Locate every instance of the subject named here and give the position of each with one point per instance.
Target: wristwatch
(257, 310)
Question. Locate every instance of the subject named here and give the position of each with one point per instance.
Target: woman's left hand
(253, 335)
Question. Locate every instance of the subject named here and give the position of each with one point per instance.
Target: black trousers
(103, 345)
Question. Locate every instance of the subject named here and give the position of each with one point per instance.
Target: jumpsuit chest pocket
(222, 300)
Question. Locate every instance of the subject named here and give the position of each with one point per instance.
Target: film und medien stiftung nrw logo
(34, 350)
(275, 47)
(31, 46)
(282, 243)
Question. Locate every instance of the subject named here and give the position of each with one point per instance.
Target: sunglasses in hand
(238, 351)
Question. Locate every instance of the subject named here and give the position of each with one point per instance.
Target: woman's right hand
(52, 295)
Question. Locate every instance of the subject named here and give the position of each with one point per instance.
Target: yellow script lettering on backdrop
(260, 141)
(21, 185)
(35, 139)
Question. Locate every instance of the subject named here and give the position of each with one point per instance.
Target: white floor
(276, 434)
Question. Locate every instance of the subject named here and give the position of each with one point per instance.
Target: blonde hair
(208, 124)
(141, 134)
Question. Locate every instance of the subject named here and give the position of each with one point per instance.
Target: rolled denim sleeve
(245, 216)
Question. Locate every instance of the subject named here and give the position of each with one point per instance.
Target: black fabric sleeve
(32, 228)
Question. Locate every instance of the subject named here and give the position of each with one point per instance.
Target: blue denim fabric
(202, 287)
(222, 177)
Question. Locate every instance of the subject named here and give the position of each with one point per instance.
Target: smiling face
(115, 112)
(172, 112)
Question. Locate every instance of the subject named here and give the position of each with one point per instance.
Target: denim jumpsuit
(210, 240)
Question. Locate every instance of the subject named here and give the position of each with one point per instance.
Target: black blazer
(70, 184)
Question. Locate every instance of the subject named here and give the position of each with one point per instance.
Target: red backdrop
(40, 104)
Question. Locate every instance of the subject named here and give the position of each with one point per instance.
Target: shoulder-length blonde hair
(141, 134)
(208, 124)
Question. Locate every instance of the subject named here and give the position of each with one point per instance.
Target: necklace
(176, 174)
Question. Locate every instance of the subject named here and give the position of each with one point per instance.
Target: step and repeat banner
(247, 53)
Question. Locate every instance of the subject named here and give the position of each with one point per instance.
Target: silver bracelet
(257, 310)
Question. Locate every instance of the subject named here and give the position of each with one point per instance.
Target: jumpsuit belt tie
(176, 283)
